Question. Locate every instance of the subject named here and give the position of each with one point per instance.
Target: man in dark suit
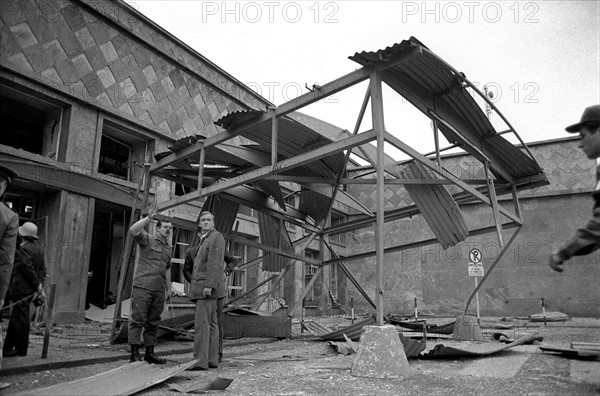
(204, 269)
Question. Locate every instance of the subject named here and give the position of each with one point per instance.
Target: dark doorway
(105, 258)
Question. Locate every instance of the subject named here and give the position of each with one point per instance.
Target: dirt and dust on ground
(307, 365)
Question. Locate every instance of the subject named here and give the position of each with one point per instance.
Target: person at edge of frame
(587, 238)
(9, 228)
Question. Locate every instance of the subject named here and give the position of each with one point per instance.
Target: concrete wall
(439, 278)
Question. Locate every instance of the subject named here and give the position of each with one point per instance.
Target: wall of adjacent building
(439, 279)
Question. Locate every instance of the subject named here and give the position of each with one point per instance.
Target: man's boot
(135, 354)
(151, 357)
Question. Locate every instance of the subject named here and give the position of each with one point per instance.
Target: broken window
(30, 121)
(122, 151)
(309, 271)
(181, 242)
(246, 211)
(339, 239)
(114, 157)
(23, 202)
(182, 189)
(290, 199)
(237, 280)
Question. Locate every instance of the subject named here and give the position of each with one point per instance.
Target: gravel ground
(305, 365)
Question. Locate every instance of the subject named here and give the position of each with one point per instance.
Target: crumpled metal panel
(478, 348)
(125, 380)
(273, 233)
(353, 331)
(314, 204)
(294, 138)
(430, 84)
(436, 205)
(272, 188)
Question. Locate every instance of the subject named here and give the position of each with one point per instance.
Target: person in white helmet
(27, 279)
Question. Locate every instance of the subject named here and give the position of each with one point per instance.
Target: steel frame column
(379, 127)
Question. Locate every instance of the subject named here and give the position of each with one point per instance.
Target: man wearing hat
(586, 239)
(9, 225)
(28, 277)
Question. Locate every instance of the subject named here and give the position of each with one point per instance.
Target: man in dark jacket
(205, 272)
(231, 262)
(28, 277)
(9, 227)
(587, 239)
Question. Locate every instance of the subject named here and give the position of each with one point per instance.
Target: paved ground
(305, 365)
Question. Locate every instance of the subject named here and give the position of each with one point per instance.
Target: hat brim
(575, 127)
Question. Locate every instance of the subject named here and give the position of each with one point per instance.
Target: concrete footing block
(380, 354)
(467, 328)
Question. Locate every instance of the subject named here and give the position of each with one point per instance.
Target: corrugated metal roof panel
(314, 204)
(436, 205)
(430, 84)
(294, 138)
(224, 210)
(273, 233)
(272, 188)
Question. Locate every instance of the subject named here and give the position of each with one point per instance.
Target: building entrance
(110, 221)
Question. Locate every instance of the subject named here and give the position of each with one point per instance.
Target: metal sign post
(475, 270)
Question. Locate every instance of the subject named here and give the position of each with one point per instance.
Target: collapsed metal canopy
(440, 92)
(282, 149)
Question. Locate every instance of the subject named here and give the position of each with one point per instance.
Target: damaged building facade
(92, 92)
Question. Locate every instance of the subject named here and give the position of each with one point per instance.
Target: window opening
(114, 158)
(29, 123)
(122, 151)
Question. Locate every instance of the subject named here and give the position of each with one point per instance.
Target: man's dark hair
(159, 222)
